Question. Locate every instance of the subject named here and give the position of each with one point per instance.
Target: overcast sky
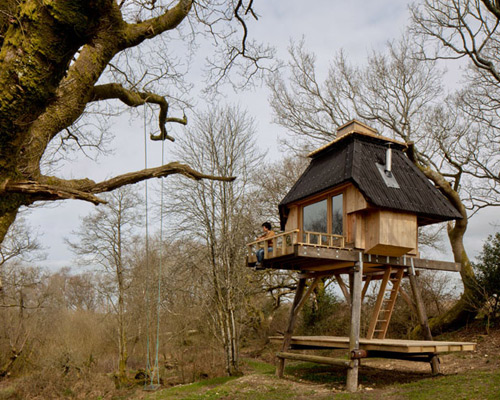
(326, 26)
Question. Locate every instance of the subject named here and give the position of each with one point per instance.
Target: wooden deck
(325, 252)
(379, 345)
(290, 253)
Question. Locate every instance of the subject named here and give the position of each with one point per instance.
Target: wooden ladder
(385, 305)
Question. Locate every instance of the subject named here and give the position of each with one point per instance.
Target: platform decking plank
(393, 345)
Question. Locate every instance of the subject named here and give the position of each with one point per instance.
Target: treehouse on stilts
(354, 215)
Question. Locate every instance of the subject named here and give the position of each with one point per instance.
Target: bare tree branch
(52, 188)
(135, 99)
(137, 33)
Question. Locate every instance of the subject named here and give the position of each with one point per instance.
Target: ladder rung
(378, 330)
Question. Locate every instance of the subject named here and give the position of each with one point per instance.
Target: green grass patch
(260, 367)
(477, 385)
(191, 391)
(229, 389)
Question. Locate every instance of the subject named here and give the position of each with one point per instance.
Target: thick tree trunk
(466, 308)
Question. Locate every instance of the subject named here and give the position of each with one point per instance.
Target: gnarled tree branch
(137, 33)
(135, 99)
(52, 188)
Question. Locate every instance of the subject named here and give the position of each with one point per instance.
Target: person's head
(267, 226)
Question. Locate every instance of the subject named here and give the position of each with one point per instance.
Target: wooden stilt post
(287, 339)
(352, 372)
(422, 315)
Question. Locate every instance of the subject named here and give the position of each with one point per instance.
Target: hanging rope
(160, 268)
(156, 368)
(148, 311)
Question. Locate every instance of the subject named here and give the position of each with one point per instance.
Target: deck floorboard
(387, 345)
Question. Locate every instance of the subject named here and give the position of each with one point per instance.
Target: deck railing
(282, 243)
(323, 239)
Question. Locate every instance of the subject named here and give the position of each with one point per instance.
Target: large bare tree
(217, 215)
(58, 58)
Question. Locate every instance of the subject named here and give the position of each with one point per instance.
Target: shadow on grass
(333, 375)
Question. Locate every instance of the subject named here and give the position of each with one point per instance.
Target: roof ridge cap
(353, 133)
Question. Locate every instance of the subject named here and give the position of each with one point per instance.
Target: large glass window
(337, 215)
(315, 217)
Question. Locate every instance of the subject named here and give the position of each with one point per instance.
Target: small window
(338, 215)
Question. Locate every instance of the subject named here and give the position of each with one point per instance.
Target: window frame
(328, 196)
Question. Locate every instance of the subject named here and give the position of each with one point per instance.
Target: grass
(259, 366)
(193, 390)
(216, 388)
(477, 385)
(310, 381)
(232, 389)
(262, 386)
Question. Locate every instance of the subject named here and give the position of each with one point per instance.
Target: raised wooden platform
(377, 347)
(306, 257)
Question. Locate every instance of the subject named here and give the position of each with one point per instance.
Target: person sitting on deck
(268, 233)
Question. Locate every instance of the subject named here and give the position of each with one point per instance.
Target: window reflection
(314, 216)
(337, 215)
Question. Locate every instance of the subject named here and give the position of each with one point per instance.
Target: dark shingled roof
(353, 159)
